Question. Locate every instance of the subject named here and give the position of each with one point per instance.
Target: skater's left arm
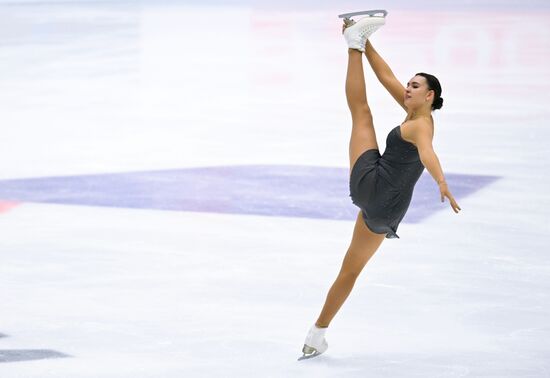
(421, 136)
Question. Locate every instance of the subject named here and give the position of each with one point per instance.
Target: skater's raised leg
(356, 34)
(363, 136)
(364, 244)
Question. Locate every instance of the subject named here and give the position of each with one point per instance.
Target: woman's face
(417, 93)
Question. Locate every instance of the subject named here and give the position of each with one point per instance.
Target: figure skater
(380, 185)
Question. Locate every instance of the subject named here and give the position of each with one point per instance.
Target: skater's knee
(351, 266)
(361, 113)
(349, 275)
(364, 109)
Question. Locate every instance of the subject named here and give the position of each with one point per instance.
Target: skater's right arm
(385, 75)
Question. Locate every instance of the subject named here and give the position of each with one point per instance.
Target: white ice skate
(356, 33)
(315, 343)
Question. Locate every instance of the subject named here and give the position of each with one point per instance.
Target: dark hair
(434, 85)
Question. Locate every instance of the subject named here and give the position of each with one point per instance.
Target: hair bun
(438, 103)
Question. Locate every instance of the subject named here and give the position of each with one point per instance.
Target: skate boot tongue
(320, 331)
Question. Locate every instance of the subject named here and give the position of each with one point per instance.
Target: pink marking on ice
(6, 206)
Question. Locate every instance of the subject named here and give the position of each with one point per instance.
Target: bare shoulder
(418, 131)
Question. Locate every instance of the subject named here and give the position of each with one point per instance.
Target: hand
(445, 192)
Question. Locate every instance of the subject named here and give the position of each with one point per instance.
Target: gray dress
(382, 186)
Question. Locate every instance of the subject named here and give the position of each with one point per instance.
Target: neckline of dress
(398, 127)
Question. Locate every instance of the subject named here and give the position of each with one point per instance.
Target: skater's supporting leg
(363, 136)
(364, 244)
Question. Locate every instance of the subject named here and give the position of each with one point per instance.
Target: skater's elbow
(427, 155)
(429, 160)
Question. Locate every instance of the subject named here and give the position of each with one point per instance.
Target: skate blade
(308, 352)
(368, 12)
(308, 356)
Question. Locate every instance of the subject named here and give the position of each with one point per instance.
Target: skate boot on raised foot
(356, 33)
(315, 343)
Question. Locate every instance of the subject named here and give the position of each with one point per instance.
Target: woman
(381, 186)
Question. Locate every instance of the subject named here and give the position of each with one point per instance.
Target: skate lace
(367, 30)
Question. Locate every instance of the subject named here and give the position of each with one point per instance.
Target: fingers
(456, 208)
(452, 201)
(454, 205)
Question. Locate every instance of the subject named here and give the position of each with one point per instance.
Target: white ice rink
(137, 288)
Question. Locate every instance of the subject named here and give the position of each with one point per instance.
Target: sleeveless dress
(382, 186)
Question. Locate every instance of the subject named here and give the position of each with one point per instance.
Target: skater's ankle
(320, 325)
